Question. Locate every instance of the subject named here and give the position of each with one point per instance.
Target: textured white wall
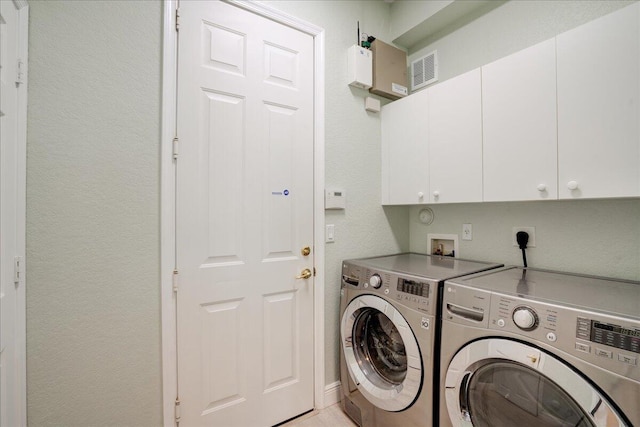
(407, 14)
(352, 152)
(93, 300)
(93, 309)
(506, 29)
(93, 305)
(594, 237)
(600, 237)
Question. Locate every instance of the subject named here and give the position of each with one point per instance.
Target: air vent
(424, 70)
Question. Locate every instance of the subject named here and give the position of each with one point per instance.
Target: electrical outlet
(467, 232)
(532, 236)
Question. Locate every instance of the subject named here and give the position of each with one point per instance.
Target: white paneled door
(244, 216)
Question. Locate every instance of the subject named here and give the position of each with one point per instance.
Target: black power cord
(522, 237)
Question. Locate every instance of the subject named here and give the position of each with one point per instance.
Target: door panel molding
(168, 193)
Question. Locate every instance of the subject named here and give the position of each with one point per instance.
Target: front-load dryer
(389, 331)
(532, 348)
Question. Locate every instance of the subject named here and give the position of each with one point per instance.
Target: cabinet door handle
(572, 185)
(541, 187)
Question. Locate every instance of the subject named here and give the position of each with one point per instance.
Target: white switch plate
(467, 232)
(329, 235)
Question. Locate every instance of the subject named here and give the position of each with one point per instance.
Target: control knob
(525, 318)
(375, 281)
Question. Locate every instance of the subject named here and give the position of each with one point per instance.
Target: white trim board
(13, 227)
(167, 214)
(332, 393)
(21, 209)
(168, 248)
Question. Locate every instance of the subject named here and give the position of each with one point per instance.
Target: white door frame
(19, 400)
(168, 207)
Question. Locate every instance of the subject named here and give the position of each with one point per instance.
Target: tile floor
(331, 416)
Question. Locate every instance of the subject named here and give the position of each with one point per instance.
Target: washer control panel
(596, 338)
(411, 291)
(601, 339)
(525, 318)
(375, 281)
(610, 335)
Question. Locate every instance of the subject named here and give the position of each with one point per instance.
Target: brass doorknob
(306, 273)
(306, 251)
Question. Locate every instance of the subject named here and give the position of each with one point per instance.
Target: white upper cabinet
(455, 140)
(405, 167)
(599, 107)
(558, 120)
(519, 125)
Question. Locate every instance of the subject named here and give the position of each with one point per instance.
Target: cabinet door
(598, 107)
(519, 125)
(405, 170)
(455, 140)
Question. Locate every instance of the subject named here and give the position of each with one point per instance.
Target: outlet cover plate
(467, 232)
(532, 236)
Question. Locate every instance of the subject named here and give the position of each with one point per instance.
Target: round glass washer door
(502, 383)
(381, 353)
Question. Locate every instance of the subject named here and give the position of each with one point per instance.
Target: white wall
(513, 26)
(93, 304)
(353, 160)
(93, 225)
(600, 237)
(93, 289)
(594, 237)
(406, 15)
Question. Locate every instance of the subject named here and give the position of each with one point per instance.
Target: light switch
(330, 234)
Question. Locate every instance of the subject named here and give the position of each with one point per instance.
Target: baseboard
(332, 393)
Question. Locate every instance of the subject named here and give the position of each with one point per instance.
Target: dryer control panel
(411, 291)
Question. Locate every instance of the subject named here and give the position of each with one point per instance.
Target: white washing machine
(389, 330)
(532, 348)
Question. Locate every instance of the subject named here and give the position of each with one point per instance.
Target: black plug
(522, 237)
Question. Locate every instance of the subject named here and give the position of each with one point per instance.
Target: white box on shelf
(372, 104)
(360, 67)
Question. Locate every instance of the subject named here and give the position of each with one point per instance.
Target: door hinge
(20, 71)
(177, 19)
(174, 280)
(177, 410)
(175, 148)
(17, 270)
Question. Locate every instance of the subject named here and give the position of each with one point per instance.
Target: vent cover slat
(424, 70)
